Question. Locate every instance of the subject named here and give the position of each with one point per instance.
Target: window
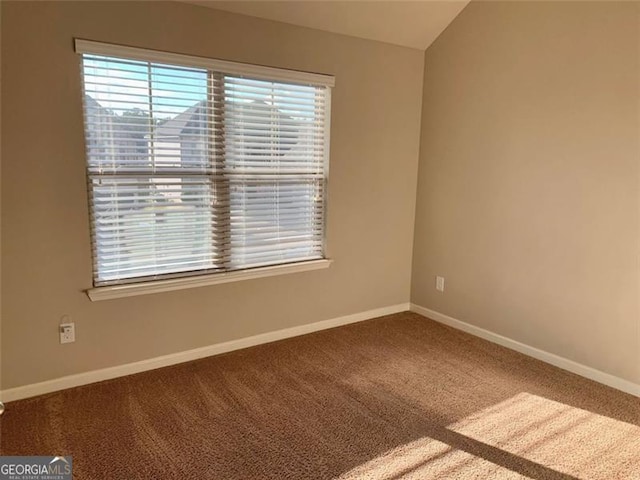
(199, 166)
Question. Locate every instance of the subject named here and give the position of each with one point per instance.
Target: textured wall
(528, 189)
(46, 256)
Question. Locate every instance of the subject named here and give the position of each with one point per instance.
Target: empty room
(336, 240)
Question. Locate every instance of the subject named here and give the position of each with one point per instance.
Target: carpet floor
(398, 397)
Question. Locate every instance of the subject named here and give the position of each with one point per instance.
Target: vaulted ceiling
(414, 24)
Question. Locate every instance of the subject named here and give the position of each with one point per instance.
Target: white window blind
(198, 166)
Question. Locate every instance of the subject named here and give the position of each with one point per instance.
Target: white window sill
(144, 288)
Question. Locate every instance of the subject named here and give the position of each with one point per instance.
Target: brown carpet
(399, 397)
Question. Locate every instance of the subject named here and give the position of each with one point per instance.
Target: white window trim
(168, 285)
(241, 69)
(255, 71)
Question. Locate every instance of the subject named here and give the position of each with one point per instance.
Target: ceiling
(414, 24)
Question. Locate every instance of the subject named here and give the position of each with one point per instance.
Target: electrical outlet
(440, 284)
(67, 332)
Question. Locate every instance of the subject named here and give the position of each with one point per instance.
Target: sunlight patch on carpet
(561, 437)
(427, 459)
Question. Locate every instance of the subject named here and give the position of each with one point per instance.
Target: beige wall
(528, 200)
(46, 256)
(528, 189)
(0, 215)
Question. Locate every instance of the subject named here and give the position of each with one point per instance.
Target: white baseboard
(561, 362)
(93, 376)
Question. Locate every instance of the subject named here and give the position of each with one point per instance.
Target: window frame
(199, 278)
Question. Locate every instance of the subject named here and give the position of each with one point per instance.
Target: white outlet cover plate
(67, 332)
